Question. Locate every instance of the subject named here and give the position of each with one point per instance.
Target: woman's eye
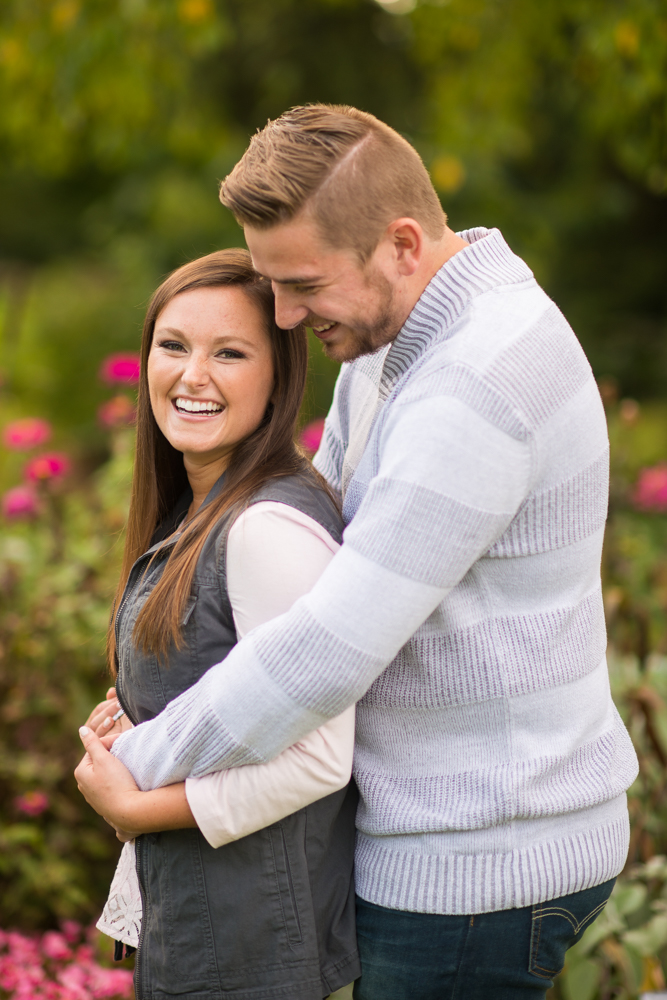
(229, 353)
(171, 345)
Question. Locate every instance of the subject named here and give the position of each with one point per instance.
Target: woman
(244, 876)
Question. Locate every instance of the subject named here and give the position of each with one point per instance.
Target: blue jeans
(507, 955)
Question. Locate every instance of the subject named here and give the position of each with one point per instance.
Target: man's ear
(407, 238)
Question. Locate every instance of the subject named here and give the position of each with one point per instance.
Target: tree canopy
(119, 117)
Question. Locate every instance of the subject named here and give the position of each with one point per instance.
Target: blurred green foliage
(118, 118)
(57, 577)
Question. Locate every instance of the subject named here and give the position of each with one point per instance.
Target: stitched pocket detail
(562, 935)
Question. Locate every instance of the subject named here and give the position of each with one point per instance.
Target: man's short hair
(351, 171)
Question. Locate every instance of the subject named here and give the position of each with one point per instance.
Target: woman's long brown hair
(159, 477)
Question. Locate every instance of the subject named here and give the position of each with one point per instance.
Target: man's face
(350, 307)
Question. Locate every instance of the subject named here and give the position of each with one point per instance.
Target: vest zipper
(138, 960)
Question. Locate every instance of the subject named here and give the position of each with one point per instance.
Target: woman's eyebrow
(172, 331)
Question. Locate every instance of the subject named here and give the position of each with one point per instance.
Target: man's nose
(289, 311)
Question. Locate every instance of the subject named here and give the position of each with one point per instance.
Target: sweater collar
(483, 265)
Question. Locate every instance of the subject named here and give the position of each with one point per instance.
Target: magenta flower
(117, 412)
(311, 435)
(72, 930)
(46, 968)
(32, 803)
(51, 465)
(651, 490)
(20, 503)
(54, 945)
(22, 435)
(123, 368)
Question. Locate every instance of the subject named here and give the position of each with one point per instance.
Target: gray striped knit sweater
(464, 610)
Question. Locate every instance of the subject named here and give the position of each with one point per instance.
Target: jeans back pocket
(559, 923)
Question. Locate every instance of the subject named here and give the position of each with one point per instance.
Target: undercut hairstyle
(351, 172)
(159, 479)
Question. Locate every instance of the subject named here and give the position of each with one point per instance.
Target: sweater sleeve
(274, 556)
(448, 485)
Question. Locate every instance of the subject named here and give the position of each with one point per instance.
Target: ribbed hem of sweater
(460, 884)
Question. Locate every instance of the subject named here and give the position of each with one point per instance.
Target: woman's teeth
(193, 406)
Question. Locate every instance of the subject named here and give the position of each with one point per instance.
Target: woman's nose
(196, 370)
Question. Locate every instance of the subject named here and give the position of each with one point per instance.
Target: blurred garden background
(118, 118)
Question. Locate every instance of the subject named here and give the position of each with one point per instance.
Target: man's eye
(306, 289)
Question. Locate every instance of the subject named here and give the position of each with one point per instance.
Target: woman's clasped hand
(105, 783)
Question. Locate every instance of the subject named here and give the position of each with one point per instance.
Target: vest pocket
(285, 882)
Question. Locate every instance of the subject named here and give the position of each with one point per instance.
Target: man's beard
(365, 338)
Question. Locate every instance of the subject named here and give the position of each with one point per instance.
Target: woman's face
(210, 372)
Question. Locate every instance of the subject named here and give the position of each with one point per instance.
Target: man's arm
(449, 484)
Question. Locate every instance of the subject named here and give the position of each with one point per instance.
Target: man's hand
(105, 783)
(101, 720)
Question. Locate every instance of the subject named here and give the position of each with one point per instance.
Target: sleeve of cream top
(275, 554)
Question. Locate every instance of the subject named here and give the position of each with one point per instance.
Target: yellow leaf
(653, 976)
(64, 14)
(195, 11)
(448, 173)
(626, 37)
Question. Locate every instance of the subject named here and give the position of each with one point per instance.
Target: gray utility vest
(267, 916)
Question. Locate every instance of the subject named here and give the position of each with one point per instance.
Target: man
(464, 608)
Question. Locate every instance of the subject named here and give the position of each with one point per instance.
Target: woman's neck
(202, 478)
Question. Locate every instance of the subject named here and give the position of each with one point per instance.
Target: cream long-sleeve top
(275, 554)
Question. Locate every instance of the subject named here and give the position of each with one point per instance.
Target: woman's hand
(110, 789)
(105, 783)
(101, 719)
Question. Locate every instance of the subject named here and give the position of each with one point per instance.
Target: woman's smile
(197, 407)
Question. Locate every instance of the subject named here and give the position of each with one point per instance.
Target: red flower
(51, 465)
(122, 368)
(311, 435)
(32, 803)
(22, 435)
(117, 412)
(651, 489)
(20, 502)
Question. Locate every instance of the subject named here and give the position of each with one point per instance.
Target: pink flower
(121, 368)
(32, 803)
(651, 490)
(20, 502)
(117, 412)
(54, 945)
(72, 930)
(46, 968)
(50, 465)
(22, 435)
(311, 435)
(110, 982)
